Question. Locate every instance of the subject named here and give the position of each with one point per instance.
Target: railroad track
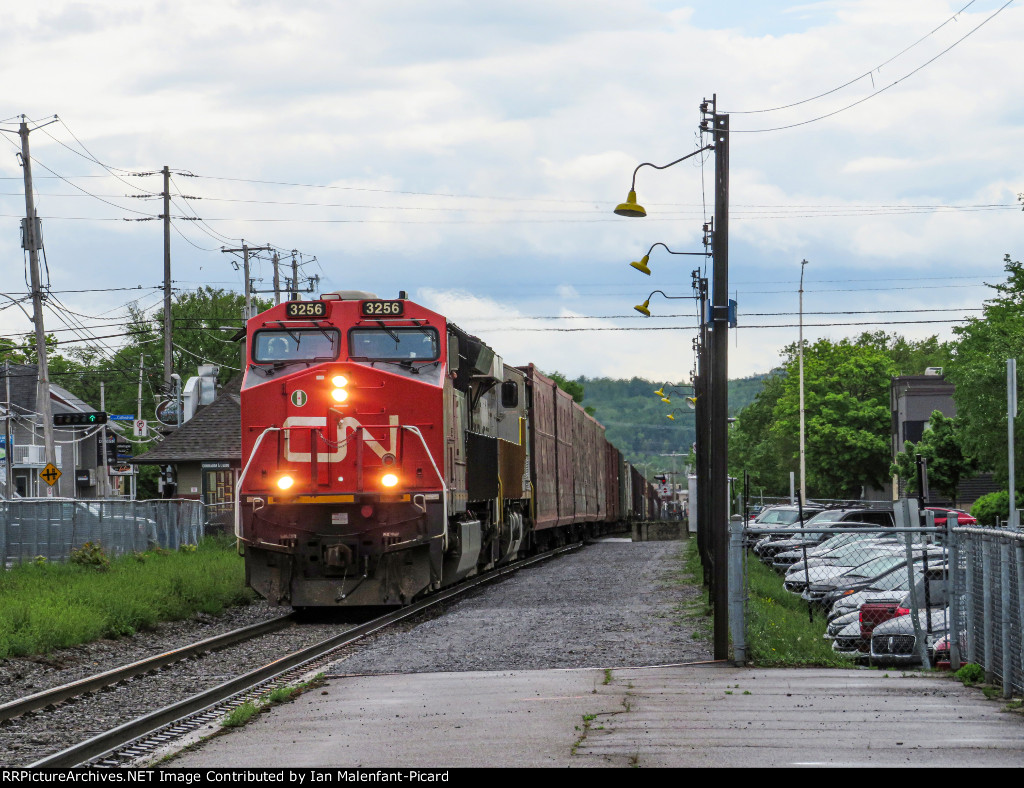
(133, 742)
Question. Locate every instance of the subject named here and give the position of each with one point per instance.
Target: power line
(855, 79)
(880, 90)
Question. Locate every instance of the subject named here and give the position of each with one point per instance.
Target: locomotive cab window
(509, 394)
(281, 346)
(394, 344)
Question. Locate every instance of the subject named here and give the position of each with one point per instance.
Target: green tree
(978, 369)
(947, 464)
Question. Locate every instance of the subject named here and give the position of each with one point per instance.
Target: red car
(942, 513)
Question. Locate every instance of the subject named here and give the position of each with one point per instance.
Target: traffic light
(79, 419)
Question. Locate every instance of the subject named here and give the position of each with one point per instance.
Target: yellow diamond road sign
(50, 474)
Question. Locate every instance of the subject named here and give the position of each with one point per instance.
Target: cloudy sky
(471, 154)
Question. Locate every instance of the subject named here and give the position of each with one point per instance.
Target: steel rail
(56, 695)
(152, 724)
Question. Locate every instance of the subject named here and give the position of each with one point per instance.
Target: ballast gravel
(613, 603)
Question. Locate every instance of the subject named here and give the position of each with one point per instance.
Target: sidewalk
(678, 716)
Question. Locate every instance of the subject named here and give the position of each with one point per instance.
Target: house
(913, 399)
(202, 458)
(78, 457)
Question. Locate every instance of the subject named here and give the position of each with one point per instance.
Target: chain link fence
(53, 529)
(901, 594)
(988, 608)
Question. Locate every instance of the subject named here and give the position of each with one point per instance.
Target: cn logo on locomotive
(346, 426)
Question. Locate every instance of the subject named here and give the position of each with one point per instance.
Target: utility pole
(277, 279)
(105, 483)
(720, 382)
(245, 249)
(167, 275)
(33, 243)
(8, 447)
(295, 278)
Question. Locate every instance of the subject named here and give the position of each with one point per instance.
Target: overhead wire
(866, 74)
(880, 90)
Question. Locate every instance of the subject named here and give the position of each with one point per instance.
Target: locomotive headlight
(389, 480)
(285, 482)
(339, 393)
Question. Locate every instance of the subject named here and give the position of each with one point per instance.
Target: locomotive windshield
(394, 344)
(286, 346)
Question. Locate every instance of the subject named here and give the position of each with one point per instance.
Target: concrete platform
(675, 716)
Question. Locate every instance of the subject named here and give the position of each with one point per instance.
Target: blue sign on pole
(129, 417)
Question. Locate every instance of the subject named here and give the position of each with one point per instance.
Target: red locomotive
(387, 453)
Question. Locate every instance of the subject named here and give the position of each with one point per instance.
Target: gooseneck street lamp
(641, 265)
(630, 207)
(642, 308)
(716, 388)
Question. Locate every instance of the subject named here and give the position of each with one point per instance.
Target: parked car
(894, 643)
(942, 515)
(833, 521)
(776, 517)
(891, 586)
(840, 596)
(828, 552)
(889, 627)
(796, 580)
(822, 592)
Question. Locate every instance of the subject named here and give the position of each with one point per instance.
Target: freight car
(387, 453)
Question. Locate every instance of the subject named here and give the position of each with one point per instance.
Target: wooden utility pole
(33, 243)
(245, 249)
(295, 278)
(167, 276)
(277, 279)
(720, 385)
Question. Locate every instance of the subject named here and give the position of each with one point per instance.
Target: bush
(971, 673)
(91, 554)
(988, 507)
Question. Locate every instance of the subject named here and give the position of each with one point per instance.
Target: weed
(747, 692)
(91, 554)
(728, 692)
(634, 760)
(971, 673)
(1014, 705)
(607, 676)
(778, 630)
(992, 692)
(241, 715)
(39, 560)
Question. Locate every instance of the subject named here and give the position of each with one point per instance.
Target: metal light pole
(1011, 414)
(803, 449)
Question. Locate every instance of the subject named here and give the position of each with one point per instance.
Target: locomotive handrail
(241, 478)
(440, 478)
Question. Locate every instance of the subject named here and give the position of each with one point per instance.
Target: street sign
(140, 428)
(50, 474)
(122, 417)
(121, 470)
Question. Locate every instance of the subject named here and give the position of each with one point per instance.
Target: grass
(240, 715)
(697, 611)
(778, 630)
(46, 606)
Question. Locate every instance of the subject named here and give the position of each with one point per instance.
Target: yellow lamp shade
(660, 392)
(630, 207)
(642, 308)
(671, 417)
(641, 266)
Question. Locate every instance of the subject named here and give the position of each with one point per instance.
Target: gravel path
(614, 603)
